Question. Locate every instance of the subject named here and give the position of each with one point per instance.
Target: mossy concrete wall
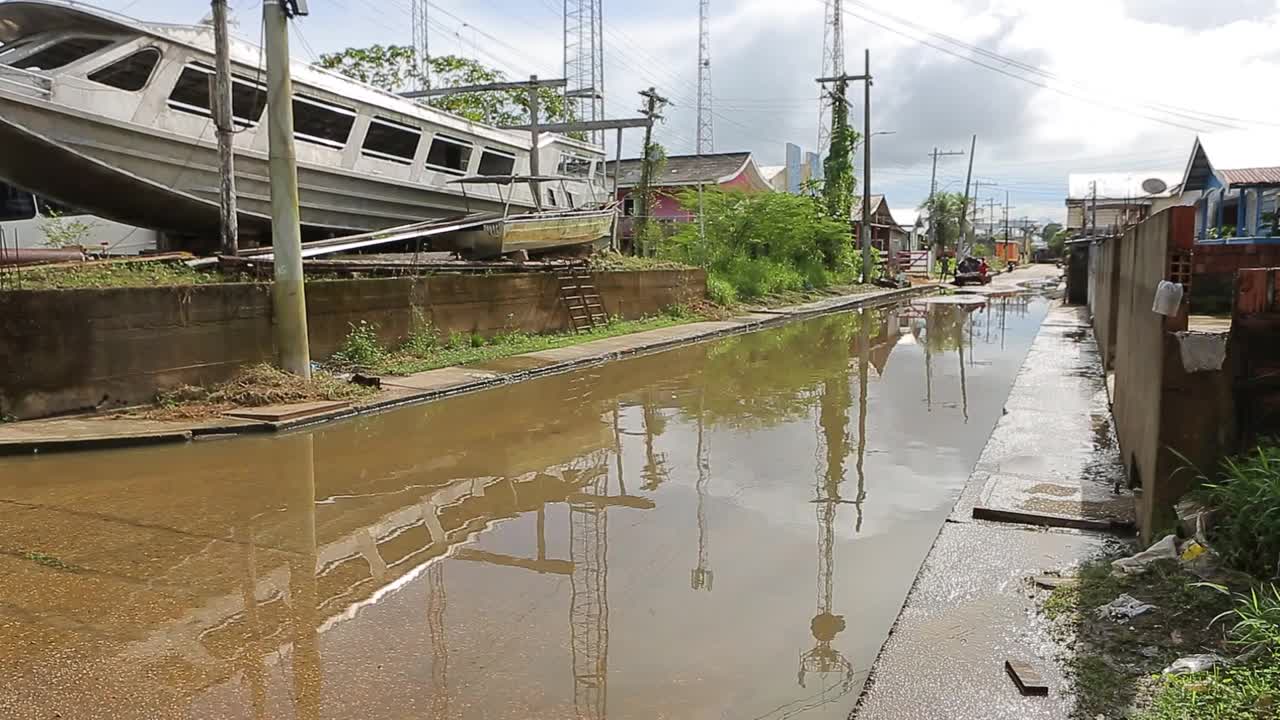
(68, 350)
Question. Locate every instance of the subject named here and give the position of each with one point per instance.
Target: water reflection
(305, 575)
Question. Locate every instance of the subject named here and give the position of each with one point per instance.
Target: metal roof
(685, 169)
(1239, 154)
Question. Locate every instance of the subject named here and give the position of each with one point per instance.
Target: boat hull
(533, 233)
(169, 182)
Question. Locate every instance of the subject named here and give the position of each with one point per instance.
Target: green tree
(395, 68)
(946, 215)
(1050, 231)
(1058, 243)
(839, 182)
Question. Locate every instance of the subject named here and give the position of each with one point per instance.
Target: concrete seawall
(68, 350)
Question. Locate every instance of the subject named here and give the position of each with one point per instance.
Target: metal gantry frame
(421, 44)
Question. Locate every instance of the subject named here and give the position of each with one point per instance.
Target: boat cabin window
(191, 95)
(62, 52)
(449, 154)
(131, 73)
(495, 162)
(570, 201)
(16, 204)
(575, 166)
(11, 46)
(390, 140)
(551, 197)
(319, 122)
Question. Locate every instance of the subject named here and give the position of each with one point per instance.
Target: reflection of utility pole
(436, 603)
(307, 672)
(864, 360)
(655, 466)
(701, 577)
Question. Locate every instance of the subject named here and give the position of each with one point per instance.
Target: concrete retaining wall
(66, 350)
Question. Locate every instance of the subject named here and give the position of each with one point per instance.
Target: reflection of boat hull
(534, 233)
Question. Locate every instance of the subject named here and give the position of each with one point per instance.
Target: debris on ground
(1027, 678)
(1165, 549)
(1052, 582)
(1194, 664)
(254, 386)
(1124, 608)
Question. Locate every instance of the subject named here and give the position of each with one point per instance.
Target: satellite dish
(1154, 186)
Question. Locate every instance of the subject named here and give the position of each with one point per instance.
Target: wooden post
(289, 303)
(223, 120)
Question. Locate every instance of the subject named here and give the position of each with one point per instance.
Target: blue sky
(1091, 85)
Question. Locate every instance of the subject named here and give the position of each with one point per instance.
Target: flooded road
(726, 530)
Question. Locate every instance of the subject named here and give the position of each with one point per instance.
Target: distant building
(727, 171)
(915, 223)
(886, 233)
(1104, 203)
(1233, 179)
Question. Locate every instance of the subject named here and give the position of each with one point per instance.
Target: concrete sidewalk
(102, 431)
(1052, 459)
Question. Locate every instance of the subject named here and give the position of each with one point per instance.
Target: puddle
(723, 530)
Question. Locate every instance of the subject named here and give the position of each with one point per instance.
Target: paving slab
(288, 411)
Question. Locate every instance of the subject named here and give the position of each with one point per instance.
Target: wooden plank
(1027, 678)
(1046, 520)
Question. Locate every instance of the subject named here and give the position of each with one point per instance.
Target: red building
(727, 171)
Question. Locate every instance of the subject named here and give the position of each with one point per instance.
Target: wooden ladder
(581, 299)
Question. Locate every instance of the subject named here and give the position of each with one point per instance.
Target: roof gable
(680, 170)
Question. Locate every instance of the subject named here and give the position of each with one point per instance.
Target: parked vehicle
(973, 271)
(30, 222)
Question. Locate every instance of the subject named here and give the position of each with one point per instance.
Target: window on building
(391, 140)
(16, 204)
(319, 122)
(62, 52)
(629, 206)
(191, 95)
(496, 162)
(131, 73)
(449, 154)
(575, 166)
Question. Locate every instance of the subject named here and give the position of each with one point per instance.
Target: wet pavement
(1053, 453)
(724, 530)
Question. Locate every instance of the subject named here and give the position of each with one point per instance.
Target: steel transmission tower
(584, 60)
(706, 142)
(832, 66)
(421, 45)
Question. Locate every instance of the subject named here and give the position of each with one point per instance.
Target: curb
(744, 324)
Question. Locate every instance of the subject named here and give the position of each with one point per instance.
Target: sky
(1049, 88)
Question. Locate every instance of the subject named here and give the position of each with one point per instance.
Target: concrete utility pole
(968, 177)
(1007, 208)
(223, 120)
(289, 302)
(841, 80)
(653, 103)
(933, 190)
(1093, 222)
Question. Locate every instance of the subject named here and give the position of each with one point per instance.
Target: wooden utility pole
(288, 296)
(865, 78)
(653, 103)
(535, 142)
(968, 178)
(1007, 237)
(222, 118)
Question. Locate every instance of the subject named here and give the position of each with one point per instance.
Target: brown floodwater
(725, 530)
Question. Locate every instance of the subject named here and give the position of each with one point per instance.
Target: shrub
(763, 243)
(721, 291)
(1246, 501)
(361, 348)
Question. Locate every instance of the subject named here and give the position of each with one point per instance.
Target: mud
(723, 530)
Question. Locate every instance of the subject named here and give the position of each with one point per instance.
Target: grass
(1237, 692)
(48, 561)
(255, 386)
(612, 262)
(1111, 664)
(425, 351)
(1245, 498)
(99, 275)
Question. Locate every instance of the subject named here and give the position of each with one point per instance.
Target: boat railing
(25, 82)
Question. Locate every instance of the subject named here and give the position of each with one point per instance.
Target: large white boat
(109, 114)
